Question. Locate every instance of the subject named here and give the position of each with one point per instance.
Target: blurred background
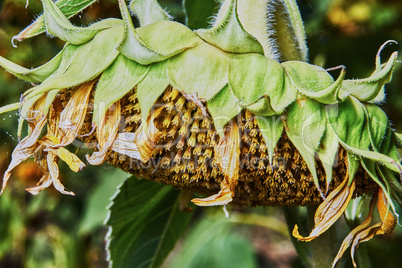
(54, 230)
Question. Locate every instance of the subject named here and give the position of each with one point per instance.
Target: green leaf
(306, 125)
(145, 223)
(298, 28)
(84, 63)
(327, 152)
(277, 26)
(378, 125)
(57, 24)
(370, 167)
(202, 70)
(223, 107)
(261, 88)
(254, 20)
(68, 7)
(212, 243)
(348, 121)
(368, 88)
(314, 82)
(148, 11)
(228, 34)
(198, 12)
(306, 118)
(115, 82)
(98, 199)
(271, 129)
(167, 38)
(36, 75)
(151, 87)
(393, 181)
(353, 165)
(131, 46)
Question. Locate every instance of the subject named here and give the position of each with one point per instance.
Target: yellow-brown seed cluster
(184, 157)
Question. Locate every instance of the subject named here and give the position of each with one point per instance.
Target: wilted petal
(54, 173)
(73, 115)
(140, 144)
(363, 232)
(386, 226)
(24, 149)
(69, 158)
(350, 238)
(227, 154)
(388, 220)
(125, 144)
(106, 134)
(44, 182)
(329, 210)
(224, 197)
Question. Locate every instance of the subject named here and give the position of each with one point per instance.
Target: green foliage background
(52, 230)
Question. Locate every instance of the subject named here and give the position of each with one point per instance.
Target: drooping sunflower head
(233, 111)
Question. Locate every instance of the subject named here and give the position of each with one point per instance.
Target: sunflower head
(233, 111)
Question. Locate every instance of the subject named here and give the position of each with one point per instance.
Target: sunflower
(234, 112)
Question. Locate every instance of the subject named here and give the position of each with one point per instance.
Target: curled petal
(44, 182)
(224, 197)
(125, 144)
(54, 173)
(227, 154)
(329, 211)
(388, 220)
(351, 236)
(106, 134)
(363, 232)
(140, 144)
(73, 115)
(69, 158)
(24, 149)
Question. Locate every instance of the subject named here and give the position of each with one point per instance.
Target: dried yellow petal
(329, 210)
(106, 134)
(227, 155)
(351, 236)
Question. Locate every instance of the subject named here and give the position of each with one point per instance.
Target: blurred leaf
(98, 200)
(52, 247)
(145, 223)
(12, 222)
(199, 13)
(213, 244)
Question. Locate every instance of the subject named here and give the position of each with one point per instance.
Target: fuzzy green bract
(234, 65)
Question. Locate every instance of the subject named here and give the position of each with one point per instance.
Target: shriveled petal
(44, 183)
(54, 173)
(351, 236)
(24, 149)
(69, 158)
(227, 154)
(125, 144)
(363, 232)
(388, 220)
(224, 197)
(106, 134)
(73, 115)
(140, 144)
(329, 210)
